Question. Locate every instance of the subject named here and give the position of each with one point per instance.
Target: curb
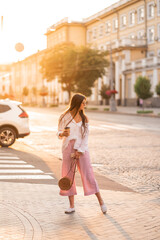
(122, 113)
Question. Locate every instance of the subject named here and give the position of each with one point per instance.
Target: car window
(4, 108)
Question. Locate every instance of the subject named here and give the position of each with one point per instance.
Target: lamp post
(112, 101)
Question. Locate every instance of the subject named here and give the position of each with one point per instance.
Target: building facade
(5, 81)
(129, 30)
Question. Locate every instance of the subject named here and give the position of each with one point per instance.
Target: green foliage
(103, 90)
(25, 91)
(77, 68)
(142, 87)
(34, 90)
(145, 111)
(158, 89)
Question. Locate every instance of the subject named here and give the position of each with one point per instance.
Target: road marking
(3, 153)
(11, 161)
(43, 128)
(15, 166)
(9, 157)
(25, 177)
(114, 127)
(99, 128)
(20, 171)
(12, 167)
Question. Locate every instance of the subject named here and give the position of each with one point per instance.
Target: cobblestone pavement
(33, 211)
(36, 211)
(126, 153)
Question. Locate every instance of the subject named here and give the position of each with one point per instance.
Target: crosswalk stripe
(99, 128)
(15, 166)
(3, 153)
(11, 161)
(20, 171)
(12, 168)
(114, 127)
(11, 177)
(4, 157)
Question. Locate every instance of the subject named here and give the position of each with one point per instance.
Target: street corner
(21, 163)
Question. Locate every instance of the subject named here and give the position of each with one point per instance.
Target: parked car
(14, 122)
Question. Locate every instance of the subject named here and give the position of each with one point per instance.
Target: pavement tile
(35, 211)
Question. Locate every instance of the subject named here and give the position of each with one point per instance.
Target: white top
(81, 143)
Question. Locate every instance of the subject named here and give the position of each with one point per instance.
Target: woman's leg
(71, 201)
(100, 200)
(101, 203)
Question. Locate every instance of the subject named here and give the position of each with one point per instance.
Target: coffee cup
(68, 129)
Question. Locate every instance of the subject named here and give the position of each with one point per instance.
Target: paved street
(124, 148)
(125, 155)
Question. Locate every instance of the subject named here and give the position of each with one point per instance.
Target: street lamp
(112, 101)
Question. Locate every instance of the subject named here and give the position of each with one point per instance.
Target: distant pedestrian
(75, 141)
(141, 102)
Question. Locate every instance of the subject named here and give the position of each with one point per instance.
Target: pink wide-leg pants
(90, 185)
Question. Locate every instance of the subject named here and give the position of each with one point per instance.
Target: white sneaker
(104, 208)
(70, 210)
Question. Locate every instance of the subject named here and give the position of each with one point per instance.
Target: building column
(155, 76)
(117, 79)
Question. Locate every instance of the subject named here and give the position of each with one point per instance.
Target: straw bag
(65, 183)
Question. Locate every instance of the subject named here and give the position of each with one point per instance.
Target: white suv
(14, 122)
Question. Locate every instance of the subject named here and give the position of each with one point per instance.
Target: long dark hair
(75, 104)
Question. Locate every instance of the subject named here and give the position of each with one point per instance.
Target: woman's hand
(77, 155)
(65, 133)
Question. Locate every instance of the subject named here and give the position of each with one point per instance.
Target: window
(115, 24)
(101, 30)
(150, 54)
(94, 33)
(108, 27)
(132, 36)
(123, 21)
(131, 18)
(4, 108)
(141, 34)
(107, 46)
(158, 7)
(89, 36)
(140, 14)
(150, 10)
(150, 34)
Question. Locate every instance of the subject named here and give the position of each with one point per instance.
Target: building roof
(112, 8)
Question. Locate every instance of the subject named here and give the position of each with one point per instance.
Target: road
(123, 148)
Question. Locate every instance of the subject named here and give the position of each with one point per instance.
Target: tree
(76, 67)
(34, 91)
(104, 89)
(43, 92)
(25, 91)
(91, 64)
(142, 87)
(158, 89)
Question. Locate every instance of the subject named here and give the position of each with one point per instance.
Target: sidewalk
(120, 110)
(36, 211)
(125, 110)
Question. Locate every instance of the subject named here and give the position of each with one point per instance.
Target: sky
(26, 21)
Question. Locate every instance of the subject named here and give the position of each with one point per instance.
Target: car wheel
(7, 136)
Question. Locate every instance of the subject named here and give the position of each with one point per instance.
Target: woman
(75, 141)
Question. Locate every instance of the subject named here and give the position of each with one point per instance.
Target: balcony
(142, 64)
(128, 43)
